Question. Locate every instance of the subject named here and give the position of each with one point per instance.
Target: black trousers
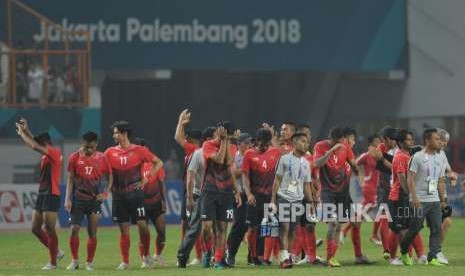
(239, 227)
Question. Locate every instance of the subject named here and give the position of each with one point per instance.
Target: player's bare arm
(442, 191)
(403, 182)
(320, 162)
(219, 157)
(276, 184)
(184, 119)
(23, 131)
(412, 189)
(69, 191)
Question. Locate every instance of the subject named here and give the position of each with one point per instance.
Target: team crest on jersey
(255, 159)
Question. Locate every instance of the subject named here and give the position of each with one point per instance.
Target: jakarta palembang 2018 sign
(353, 35)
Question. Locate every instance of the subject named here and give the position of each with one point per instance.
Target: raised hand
(185, 117)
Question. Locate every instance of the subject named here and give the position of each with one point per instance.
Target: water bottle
(264, 228)
(274, 228)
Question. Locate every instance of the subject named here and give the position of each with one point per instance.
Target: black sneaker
(257, 261)
(226, 264)
(182, 262)
(231, 260)
(317, 261)
(249, 260)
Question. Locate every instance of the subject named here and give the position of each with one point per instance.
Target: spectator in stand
(35, 77)
(72, 84)
(21, 83)
(56, 87)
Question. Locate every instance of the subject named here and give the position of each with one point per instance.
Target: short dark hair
(371, 138)
(208, 132)
(43, 139)
(428, 133)
(292, 124)
(415, 149)
(402, 136)
(336, 133)
(298, 135)
(194, 134)
(139, 141)
(89, 137)
(349, 131)
(388, 132)
(122, 127)
(263, 135)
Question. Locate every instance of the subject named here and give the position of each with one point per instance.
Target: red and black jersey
(334, 175)
(314, 171)
(400, 164)
(87, 174)
(384, 175)
(50, 172)
(260, 168)
(152, 190)
(371, 176)
(127, 166)
(218, 177)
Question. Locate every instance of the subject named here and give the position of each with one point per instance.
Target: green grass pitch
(22, 254)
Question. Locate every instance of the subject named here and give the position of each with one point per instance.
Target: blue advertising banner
(174, 196)
(355, 35)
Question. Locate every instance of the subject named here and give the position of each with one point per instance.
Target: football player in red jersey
(258, 166)
(48, 200)
(155, 207)
(386, 150)
(333, 157)
(126, 161)
(218, 192)
(87, 168)
(369, 177)
(399, 197)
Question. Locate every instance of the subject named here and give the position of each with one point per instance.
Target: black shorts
(217, 206)
(126, 209)
(81, 208)
(47, 203)
(400, 213)
(256, 213)
(153, 212)
(342, 202)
